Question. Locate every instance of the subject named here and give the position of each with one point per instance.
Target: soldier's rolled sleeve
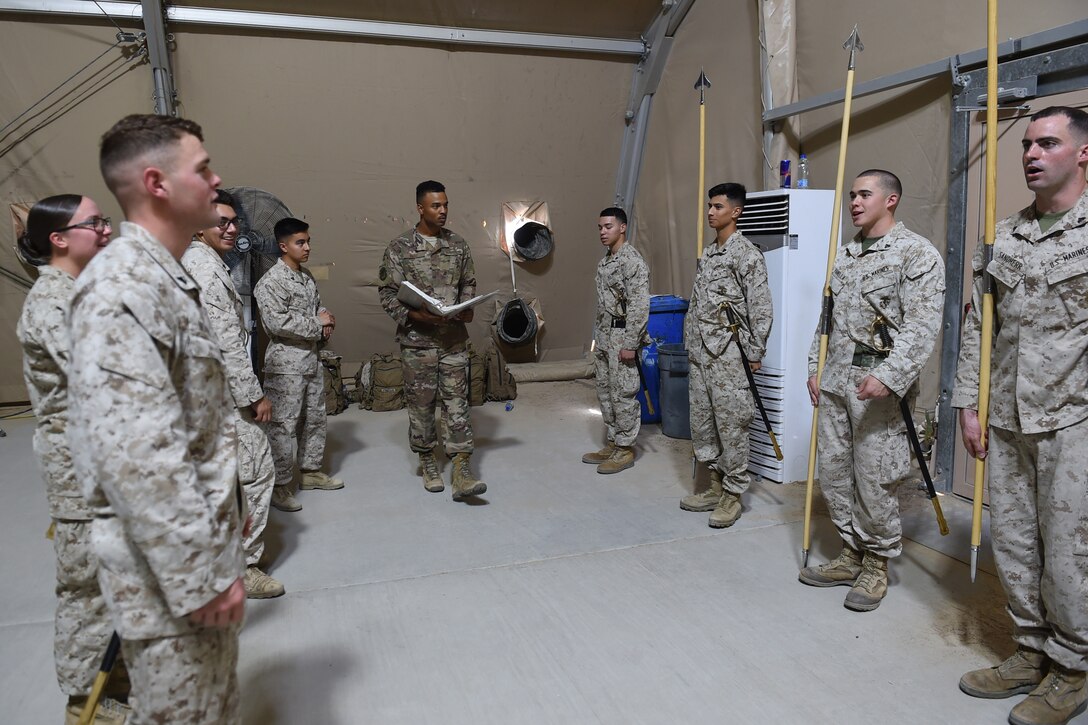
(468, 276)
(280, 320)
(140, 461)
(233, 343)
(393, 274)
(922, 296)
(965, 388)
(638, 306)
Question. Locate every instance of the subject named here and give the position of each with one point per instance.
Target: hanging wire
(75, 102)
(59, 86)
(108, 17)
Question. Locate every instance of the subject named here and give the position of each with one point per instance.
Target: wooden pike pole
(989, 232)
(701, 85)
(853, 44)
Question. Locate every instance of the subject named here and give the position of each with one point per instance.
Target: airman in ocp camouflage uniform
(623, 309)
(1038, 423)
(63, 235)
(732, 272)
(256, 471)
(434, 349)
(297, 324)
(886, 275)
(152, 433)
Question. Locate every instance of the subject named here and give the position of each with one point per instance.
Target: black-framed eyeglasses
(224, 223)
(98, 223)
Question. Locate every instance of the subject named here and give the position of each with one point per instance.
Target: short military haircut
(1078, 119)
(888, 181)
(735, 193)
(615, 211)
(288, 227)
(137, 136)
(429, 187)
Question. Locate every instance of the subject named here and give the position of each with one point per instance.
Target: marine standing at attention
(731, 277)
(623, 309)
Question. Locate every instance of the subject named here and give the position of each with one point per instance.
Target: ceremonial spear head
(853, 44)
(703, 83)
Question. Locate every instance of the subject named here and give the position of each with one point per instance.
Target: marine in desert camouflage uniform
(1037, 442)
(434, 349)
(297, 325)
(623, 309)
(63, 234)
(256, 471)
(732, 273)
(885, 275)
(152, 433)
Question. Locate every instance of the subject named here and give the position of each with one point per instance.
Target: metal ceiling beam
(338, 26)
(1010, 49)
(158, 52)
(658, 38)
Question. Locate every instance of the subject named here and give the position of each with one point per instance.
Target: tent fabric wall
(342, 131)
(721, 37)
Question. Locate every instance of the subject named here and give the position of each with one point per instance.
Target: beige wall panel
(342, 131)
(720, 36)
(62, 157)
(904, 130)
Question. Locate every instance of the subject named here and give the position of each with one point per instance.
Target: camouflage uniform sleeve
(218, 304)
(391, 275)
(637, 290)
(279, 319)
(922, 296)
(965, 389)
(468, 276)
(133, 430)
(51, 328)
(757, 294)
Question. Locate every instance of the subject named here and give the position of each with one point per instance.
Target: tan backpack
(500, 383)
(386, 390)
(336, 400)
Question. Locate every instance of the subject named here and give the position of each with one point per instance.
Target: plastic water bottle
(784, 174)
(509, 406)
(802, 172)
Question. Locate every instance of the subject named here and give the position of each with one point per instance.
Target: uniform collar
(420, 243)
(853, 248)
(714, 248)
(152, 247)
(48, 270)
(1028, 224)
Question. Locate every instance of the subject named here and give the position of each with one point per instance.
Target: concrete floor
(561, 596)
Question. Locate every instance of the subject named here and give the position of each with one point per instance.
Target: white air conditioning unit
(792, 227)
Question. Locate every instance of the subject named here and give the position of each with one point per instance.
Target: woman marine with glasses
(63, 233)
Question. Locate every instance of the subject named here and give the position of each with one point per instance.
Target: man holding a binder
(433, 348)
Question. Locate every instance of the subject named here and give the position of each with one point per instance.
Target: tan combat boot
(623, 457)
(464, 484)
(844, 569)
(284, 500)
(726, 513)
(319, 480)
(598, 457)
(428, 468)
(110, 711)
(1059, 698)
(708, 499)
(1015, 676)
(871, 586)
(260, 585)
